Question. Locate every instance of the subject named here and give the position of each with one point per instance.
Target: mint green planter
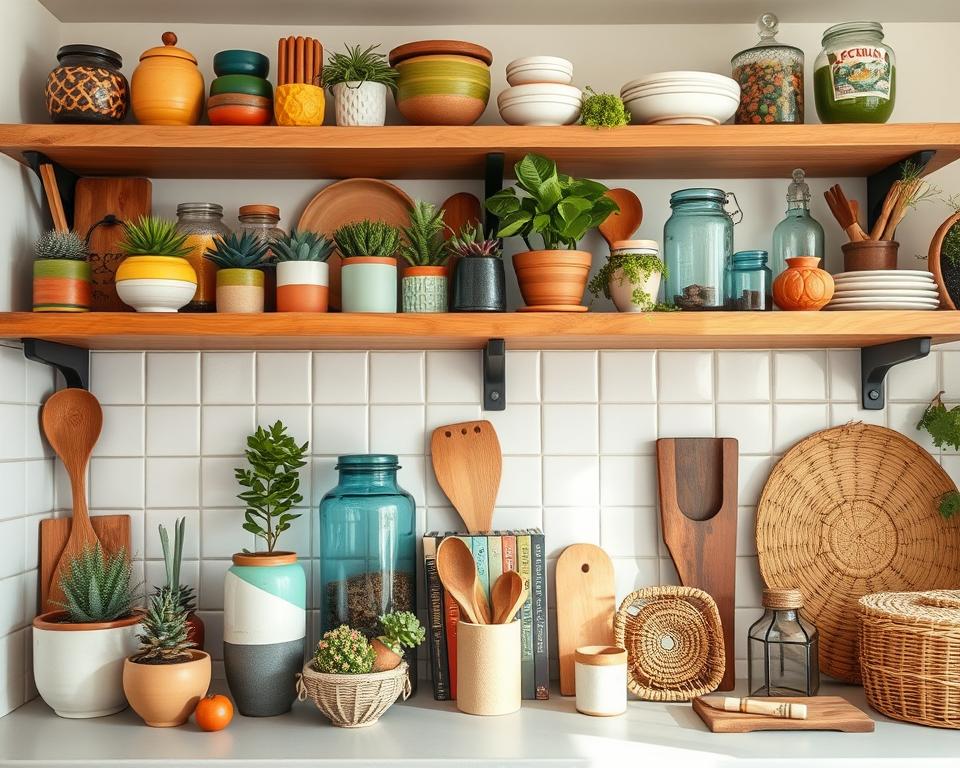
(426, 292)
(368, 284)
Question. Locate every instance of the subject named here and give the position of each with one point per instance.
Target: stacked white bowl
(681, 98)
(541, 92)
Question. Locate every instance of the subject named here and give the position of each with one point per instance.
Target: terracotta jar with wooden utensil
(167, 87)
(866, 255)
(803, 285)
(87, 86)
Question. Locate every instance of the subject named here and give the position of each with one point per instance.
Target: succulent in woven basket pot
(401, 629)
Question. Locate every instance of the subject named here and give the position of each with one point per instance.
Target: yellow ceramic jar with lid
(167, 87)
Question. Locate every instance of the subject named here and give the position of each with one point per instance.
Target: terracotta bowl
(239, 114)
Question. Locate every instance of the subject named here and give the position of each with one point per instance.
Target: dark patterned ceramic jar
(87, 86)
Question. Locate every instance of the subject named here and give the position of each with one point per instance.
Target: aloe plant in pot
(479, 282)
(368, 272)
(560, 210)
(184, 594)
(424, 282)
(303, 276)
(240, 276)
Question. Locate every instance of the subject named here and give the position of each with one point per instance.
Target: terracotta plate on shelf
(351, 200)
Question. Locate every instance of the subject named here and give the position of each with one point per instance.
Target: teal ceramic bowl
(246, 84)
(237, 62)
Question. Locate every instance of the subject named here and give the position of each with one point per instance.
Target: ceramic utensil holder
(601, 679)
(488, 668)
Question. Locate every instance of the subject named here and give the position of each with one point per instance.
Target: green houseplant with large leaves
(557, 210)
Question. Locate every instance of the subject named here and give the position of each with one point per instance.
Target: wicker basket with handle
(910, 655)
(353, 701)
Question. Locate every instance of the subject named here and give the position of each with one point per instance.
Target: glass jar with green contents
(855, 75)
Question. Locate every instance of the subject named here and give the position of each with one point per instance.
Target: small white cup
(601, 680)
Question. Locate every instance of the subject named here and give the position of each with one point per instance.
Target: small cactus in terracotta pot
(344, 651)
(401, 629)
(803, 285)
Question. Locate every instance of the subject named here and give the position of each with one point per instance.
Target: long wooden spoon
(72, 420)
(622, 225)
(468, 463)
(507, 596)
(458, 574)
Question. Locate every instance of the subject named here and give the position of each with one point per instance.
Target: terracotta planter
(302, 286)
(803, 285)
(167, 87)
(935, 262)
(552, 278)
(866, 255)
(61, 285)
(360, 103)
(165, 695)
(368, 284)
(78, 668)
(240, 291)
(424, 289)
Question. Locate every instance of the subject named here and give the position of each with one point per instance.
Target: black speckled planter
(479, 285)
(263, 678)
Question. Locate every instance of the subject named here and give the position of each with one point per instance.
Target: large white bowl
(658, 90)
(541, 90)
(155, 295)
(686, 76)
(539, 100)
(545, 112)
(683, 108)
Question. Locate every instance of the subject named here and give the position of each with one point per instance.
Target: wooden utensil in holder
(488, 668)
(299, 60)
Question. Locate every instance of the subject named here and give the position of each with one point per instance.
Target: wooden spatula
(468, 463)
(622, 225)
(72, 420)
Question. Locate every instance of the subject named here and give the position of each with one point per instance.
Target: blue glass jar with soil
(368, 547)
(748, 283)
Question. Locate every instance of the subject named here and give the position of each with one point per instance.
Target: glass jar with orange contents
(202, 223)
(771, 79)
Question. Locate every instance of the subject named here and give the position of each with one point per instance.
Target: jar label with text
(860, 71)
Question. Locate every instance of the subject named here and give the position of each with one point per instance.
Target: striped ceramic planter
(239, 290)
(302, 286)
(442, 89)
(264, 631)
(368, 284)
(424, 289)
(61, 285)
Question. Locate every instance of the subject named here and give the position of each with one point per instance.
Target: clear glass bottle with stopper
(783, 648)
(798, 234)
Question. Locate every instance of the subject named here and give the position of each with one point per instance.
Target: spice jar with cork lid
(783, 648)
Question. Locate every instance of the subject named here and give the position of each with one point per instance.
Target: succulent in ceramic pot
(359, 80)
(154, 277)
(61, 273)
(303, 276)
(368, 273)
(479, 282)
(424, 283)
(184, 593)
(78, 651)
(240, 257)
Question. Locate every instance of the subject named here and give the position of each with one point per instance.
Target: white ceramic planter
(360, 103)
(601, 680)
(302, 286)
(78, 668)
(621, 291)
(155, 294)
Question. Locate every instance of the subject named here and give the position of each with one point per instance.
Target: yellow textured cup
(156, 268)
(298, 104)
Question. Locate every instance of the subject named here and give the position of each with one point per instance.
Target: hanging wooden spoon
(458, 574)
(622, 225)
(507, 596)
(72, 420)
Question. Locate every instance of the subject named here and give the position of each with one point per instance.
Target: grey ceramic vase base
(479, 285)
(262, 678)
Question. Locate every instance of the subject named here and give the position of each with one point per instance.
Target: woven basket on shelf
(852, 510)
(353, 701)
(910, 655)
(673, 640)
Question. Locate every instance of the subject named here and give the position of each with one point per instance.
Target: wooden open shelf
(435, 152)
(674, 330)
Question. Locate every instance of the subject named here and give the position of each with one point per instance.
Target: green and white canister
(368, 284)
(264, 630)
(424, 289)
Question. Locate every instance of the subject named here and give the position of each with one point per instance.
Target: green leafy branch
(943, 426)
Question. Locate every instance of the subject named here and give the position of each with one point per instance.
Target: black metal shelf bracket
(494, 376)
(72, 362)
(879, 183)
(66, 180)
(877, 360)
(492, 183)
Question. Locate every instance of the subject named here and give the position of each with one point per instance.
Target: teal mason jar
(748, 282)
(368, 547)
(697, 244)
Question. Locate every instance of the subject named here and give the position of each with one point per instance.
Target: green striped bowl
(442, 90)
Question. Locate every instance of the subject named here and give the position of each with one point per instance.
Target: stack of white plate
(885, 289)
(681, 98)
(540, 104)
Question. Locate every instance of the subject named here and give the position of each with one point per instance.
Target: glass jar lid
(259, 209)
(768, 25)
(698, 193)
(873, 28)
(368, 461)
(112, 57)
(200, 209)
(799, 190)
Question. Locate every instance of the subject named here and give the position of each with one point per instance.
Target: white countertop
(425, 732)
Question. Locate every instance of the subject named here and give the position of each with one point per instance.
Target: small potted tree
(359, 80)
(424, 283)
(78, 651)
(264, 604)
(479, 283)
(167, 677)
(154, 277)
(240, 275)
(561, 210)
(184, 593)
(368, 272)
(303, 276)
(61, 273)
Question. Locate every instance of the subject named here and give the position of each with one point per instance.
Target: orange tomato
(214, 712)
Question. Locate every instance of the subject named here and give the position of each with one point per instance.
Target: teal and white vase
(424, 289)
(264, 631)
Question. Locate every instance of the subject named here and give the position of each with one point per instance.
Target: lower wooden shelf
(595, 330)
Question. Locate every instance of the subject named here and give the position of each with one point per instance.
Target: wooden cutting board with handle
(698, 513)
(586, 603)
(126, 198)
(468, 463)
(824, 713)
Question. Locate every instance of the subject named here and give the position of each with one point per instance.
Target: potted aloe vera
(479, 283)
(368, 273)
(359, 80)
(240, 275)
(184, 594)
(424, 283)
(78, 651)
(264, 603)
(303, 276)
(167, 676)
(155, 277)
(61, 273)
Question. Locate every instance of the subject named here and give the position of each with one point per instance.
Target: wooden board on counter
(824, 713)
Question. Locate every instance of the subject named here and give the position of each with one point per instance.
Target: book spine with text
(509, 546)
(541, 658)
(479, 546)
(526, 618)
(494, 558)
(435, 620)
(451, 612)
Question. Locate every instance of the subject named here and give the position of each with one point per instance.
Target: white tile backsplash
(340, 377)
(569, 377)
(743, 377)
(396, 377)
(454, 376)
(173, 378)
(685, 377)
(283, 378)
(570, 428)
(173, 430)
(227, 378)
(116, 378)
(800, 375)
(628, 427)
(628, 376)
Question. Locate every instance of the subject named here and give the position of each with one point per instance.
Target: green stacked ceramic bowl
(240, 94)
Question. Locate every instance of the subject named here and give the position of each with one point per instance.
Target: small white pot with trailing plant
(359, 80)
(631, 277)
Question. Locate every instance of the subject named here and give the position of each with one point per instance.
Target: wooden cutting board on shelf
(126, 198)
(586, 603)
(698, 512)
(824, 713)
(112, 530)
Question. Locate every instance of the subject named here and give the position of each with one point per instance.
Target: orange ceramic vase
(803, 285)
(552, 279)
(167, 87)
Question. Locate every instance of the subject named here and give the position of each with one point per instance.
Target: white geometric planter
(360, 103)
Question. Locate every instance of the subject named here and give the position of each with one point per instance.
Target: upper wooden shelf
(432, 152)
(672, 330)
